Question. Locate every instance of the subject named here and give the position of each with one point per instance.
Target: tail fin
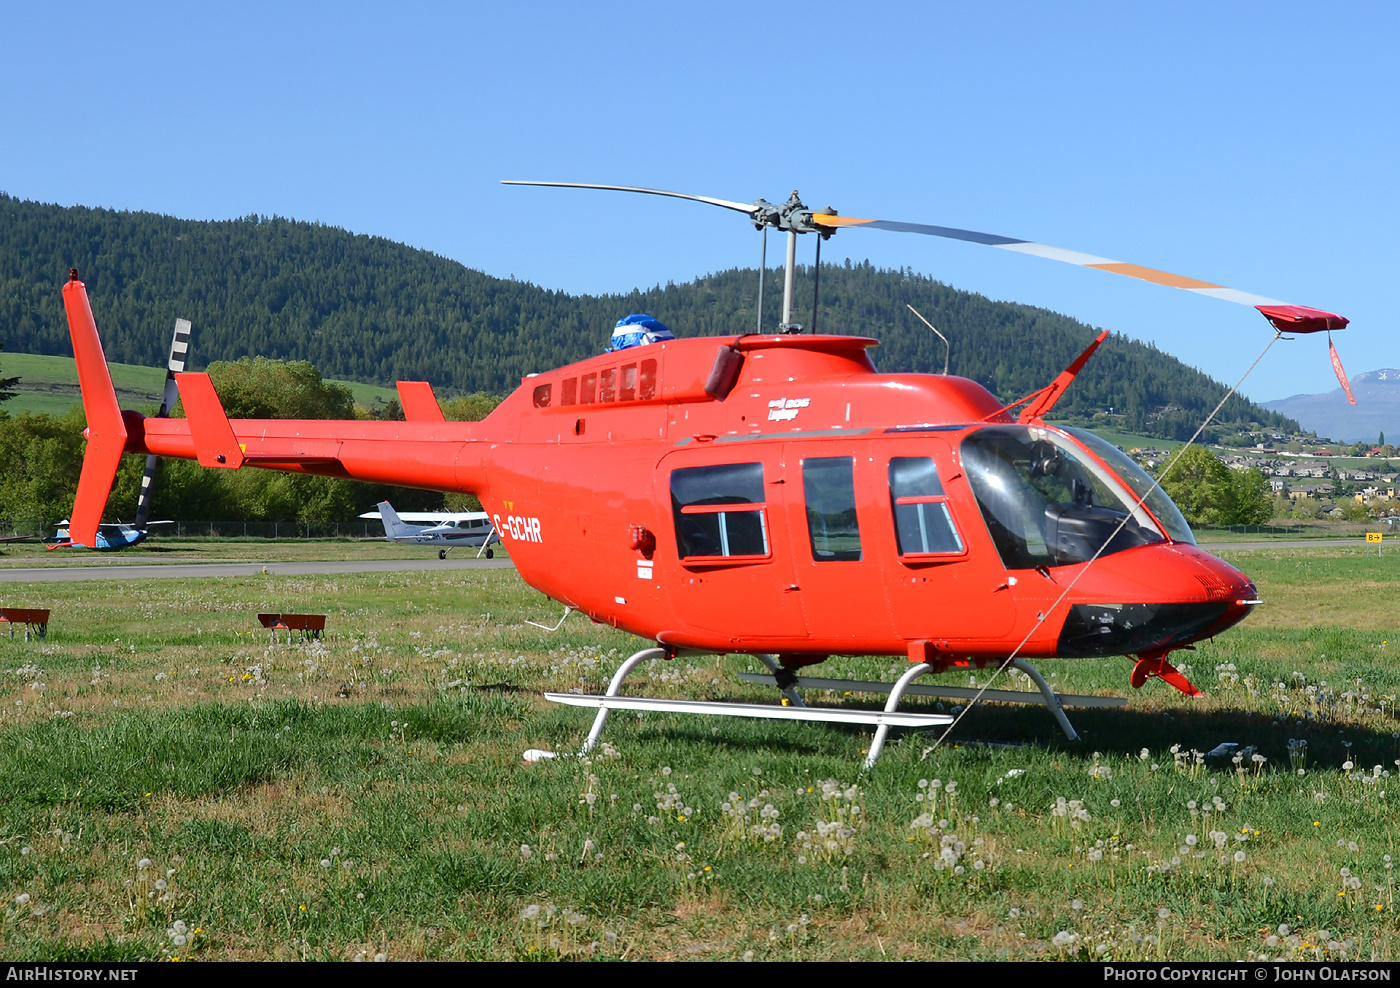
(106, 432)
(393, 524)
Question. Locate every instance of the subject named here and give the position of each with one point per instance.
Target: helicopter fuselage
(807, 507)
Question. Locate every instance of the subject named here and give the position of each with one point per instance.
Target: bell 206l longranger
(770, 494)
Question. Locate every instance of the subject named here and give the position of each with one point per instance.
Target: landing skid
(1046, 697)
(794, 708)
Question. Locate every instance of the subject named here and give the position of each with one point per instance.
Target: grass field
(49, 385)
(171, 773)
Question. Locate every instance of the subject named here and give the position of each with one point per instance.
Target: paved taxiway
(1292, 544)
(128, 571)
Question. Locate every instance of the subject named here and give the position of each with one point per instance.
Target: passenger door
(945, 580)
(837, 497)
(729, 506)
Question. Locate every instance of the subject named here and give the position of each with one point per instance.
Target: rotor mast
(793, 217)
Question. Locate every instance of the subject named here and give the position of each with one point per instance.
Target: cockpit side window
(719, 511)
(828, 486)
(1045, 505)
(923, 524)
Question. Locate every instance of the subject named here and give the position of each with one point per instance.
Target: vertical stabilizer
(106, 432)
(393, 525)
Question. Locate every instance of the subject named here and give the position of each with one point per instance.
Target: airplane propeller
(793, 217)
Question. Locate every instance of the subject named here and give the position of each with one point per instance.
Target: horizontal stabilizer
(418, 401)
(834, 715)
(214, 441)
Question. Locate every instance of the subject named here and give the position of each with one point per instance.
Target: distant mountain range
(1377, 409)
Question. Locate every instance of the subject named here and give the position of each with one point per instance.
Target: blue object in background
(638, 329)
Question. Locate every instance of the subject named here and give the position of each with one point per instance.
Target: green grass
(159, 723)
(1128, 440)
(49, 385)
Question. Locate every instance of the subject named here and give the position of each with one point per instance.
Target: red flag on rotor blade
(1341, 374)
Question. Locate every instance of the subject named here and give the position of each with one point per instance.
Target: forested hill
(366, 308)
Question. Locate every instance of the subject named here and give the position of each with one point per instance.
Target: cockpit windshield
(1045, 503)
(1135, 477)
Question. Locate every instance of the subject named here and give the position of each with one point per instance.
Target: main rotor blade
(1292, 318)
(741, 207)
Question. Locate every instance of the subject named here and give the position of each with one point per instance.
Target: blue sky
(1251, 144)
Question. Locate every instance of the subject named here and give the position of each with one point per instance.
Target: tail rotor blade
(179, 357)
(145, 496)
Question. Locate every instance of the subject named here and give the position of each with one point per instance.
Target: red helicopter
(773, 494)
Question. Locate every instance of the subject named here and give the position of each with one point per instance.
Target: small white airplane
(447, 528)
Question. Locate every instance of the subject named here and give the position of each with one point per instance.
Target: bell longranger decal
(786, 409)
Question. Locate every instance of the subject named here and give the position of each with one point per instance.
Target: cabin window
(719, 511)
(629, 383)
(646, 387)
(923, 525)
(568, 392)
(828, 485)
(607, 386)
(587, 389)
(542, 392)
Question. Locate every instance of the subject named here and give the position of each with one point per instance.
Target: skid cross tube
(614, 685)
(896, 693)
(790, 692)
(1051, 700)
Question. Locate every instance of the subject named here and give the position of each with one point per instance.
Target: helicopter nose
(1152, 597)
